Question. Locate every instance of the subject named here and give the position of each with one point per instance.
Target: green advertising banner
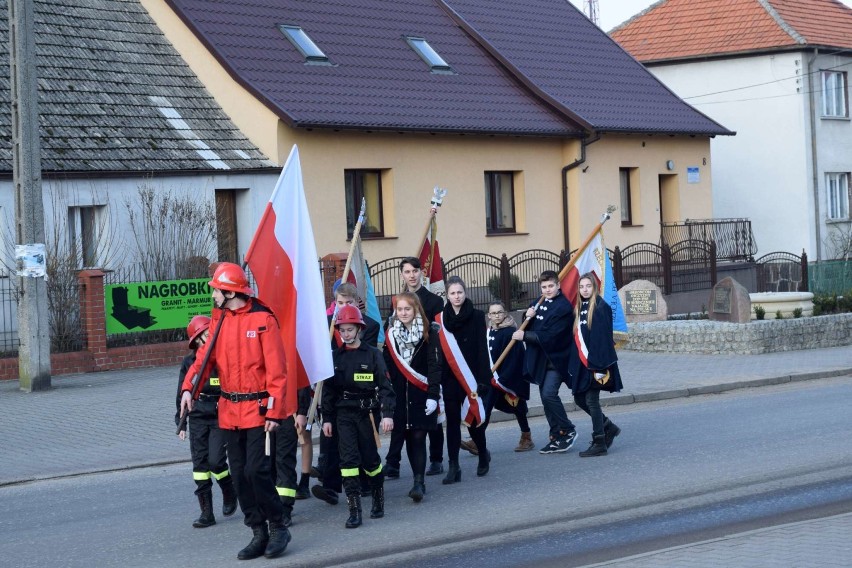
(148, 306)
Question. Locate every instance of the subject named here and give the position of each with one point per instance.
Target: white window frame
(834, 94)
(837, 196)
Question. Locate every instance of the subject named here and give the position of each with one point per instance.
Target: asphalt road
(680, 468)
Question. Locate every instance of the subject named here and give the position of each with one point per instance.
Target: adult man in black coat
(433, 304)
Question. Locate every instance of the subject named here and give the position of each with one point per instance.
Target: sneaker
(566, 441)
(551, 447)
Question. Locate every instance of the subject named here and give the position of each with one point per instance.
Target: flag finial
(438, 196)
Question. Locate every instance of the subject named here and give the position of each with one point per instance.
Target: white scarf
(407, 338)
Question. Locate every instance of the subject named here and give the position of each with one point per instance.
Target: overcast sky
(614, 12)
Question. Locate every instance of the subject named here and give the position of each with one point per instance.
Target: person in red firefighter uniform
(249, 356)
(360, 385)
(206, 440)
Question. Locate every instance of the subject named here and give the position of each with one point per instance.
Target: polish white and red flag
(283, 261)
(430, 262)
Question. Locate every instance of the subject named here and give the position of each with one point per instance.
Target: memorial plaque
(722, 300)
(640, 302)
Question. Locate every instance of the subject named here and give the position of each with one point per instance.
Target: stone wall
(767, 336)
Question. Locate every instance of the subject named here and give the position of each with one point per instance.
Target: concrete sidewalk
(125, 419)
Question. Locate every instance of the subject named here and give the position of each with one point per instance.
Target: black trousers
(453, 399)
(436, 444)
(356, 443)
(284, 460)
(207, 445)
(251, 469)
(330, 462)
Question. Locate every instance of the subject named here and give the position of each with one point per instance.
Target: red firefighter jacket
(249, 356)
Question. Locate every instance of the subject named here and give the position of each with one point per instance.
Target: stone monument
(730, 302)
(643, 301)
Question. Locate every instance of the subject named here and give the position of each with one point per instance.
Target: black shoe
(565, 440)
(378, 509)
(302, 493)
(435, 468)
(418, 490)
(257, 546)
(354, 502)
(229, 496)
(597, 448)
(610, 432)
(550, 448)
(325, 494)
(315, 473)
(453, 473)
(484, 465)
(391, 471)
(205, 501)
(279, 538)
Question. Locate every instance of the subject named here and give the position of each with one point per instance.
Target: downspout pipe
(812, 87)
(585, 141)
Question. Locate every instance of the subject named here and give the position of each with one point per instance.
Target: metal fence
(733, 237)
(830, 277)
(782, 272)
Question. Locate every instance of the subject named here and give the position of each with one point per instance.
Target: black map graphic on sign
(130, 316)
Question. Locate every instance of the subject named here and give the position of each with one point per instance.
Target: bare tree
(838, 241)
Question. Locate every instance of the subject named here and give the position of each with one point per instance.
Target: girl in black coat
(413, 359)
(593, 363)
(466, 325)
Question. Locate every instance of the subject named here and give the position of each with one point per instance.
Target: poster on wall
(149, 306)
(693, 175)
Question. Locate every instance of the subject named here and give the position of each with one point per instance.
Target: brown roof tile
(673, 29)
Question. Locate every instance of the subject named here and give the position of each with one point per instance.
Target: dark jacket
(511, 370)
(548, 339)
(411, 400)
(206, 407)
(432, 303)
(601, 348)
(360, 381)
(468, 327)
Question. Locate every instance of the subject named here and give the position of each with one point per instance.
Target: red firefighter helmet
(230, 277)
(196, 327)
(350, 314)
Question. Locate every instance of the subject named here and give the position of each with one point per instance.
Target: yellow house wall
(590, 192)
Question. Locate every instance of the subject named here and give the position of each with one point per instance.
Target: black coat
(360, 371)
(410, 400)
(602, 354)
(511, 371)
(548, 339)
(432, 303)
(468, 327)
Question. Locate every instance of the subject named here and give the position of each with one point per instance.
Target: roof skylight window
(435, 62)
(305, 45)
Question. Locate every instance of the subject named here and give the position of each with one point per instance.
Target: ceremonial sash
(581, 347)
(510, 395)
(412, 376)
(473, 411)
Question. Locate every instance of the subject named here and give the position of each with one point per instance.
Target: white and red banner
(595, 258)
(430, 262)
(473, 411)
(283, 260)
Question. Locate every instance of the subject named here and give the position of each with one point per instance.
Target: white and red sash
(473, 411)
(418, 380)
(510, 395)
(581, 347)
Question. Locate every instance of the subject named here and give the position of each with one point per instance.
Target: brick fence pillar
(92, 315)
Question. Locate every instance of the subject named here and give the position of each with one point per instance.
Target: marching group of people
(433, 374)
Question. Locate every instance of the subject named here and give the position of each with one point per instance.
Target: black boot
(435, 468)
(287, 510)
(418, 490)
(279, 538)
(597, 448)
(229, 496)
(610, 432)
(378, 509)
(257, 545)
(484, 464)
(205, 500)
(325, 494)
(391, 471)
(453, 473)
(303, 490)
(352, 486)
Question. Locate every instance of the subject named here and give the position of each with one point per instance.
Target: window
(500, 202)
(226, 225)
(365, 184)
(834, 94)
(837, 187)
(435, 62)
(84, 229)
(626, 209)
(306, 46)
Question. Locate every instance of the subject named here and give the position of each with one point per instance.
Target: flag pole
(562, 273)
(356, 234)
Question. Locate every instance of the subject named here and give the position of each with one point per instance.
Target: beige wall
(590, 192)
(414, 163)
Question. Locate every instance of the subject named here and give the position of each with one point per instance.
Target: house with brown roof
(776, 71)
(532, 118)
